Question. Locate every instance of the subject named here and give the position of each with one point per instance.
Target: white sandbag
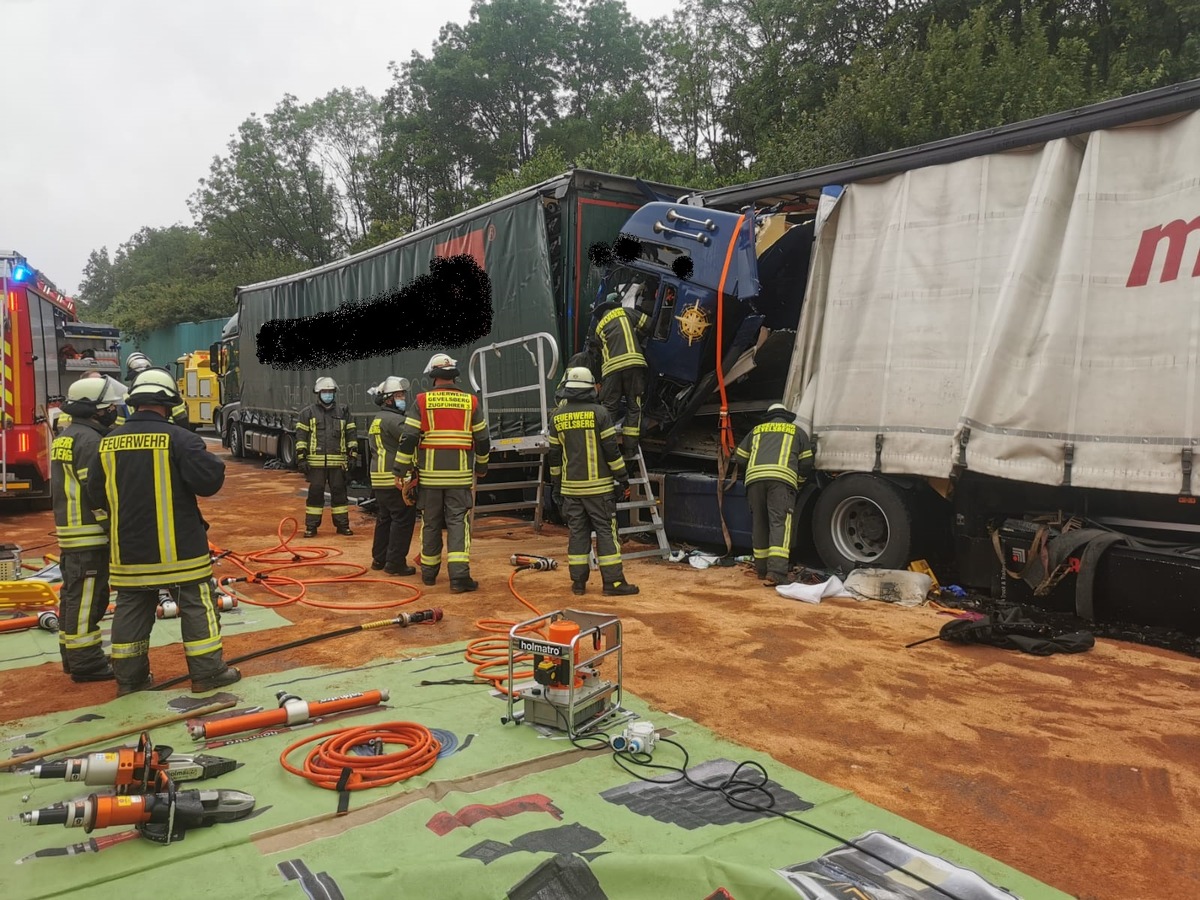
(889, 586)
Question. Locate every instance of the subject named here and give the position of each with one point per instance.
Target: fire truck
(44, 350)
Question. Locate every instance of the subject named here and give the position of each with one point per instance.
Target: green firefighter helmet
(154, 387)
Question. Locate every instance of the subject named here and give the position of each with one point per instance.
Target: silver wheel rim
(859, 528)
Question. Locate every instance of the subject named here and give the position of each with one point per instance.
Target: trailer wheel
(287, 451)
(864, 521)
(237, 441)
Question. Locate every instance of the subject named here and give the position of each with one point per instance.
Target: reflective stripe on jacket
(70, 455)
(617, 333)
(445, 437)
(325, 436)
(147, 476)
(776, 450)
(584, 455)
(385, 434)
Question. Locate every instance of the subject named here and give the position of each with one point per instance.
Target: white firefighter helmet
(393, 384)
(96, 391)
(442, 365)
(137, 362)
(154, 386)
(580, 377)
(778, 407)
(324, 383)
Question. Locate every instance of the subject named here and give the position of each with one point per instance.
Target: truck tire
(287, 450)
(237, 441)
(862, 521)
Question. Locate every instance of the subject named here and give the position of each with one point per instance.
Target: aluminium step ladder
(641, 497)
(541, 348)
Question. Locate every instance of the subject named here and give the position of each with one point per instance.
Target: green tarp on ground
(34, 647)
(507, 811)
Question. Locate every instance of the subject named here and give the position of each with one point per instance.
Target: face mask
(107, 417)
(326, 397)
(400, 405)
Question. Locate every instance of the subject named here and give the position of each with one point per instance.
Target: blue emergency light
(20, 272)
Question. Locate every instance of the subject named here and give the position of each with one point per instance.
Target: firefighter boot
(463, 585)
(578, 586)
(145, 685)
(227, 676)
(104, 674)
(345, 529)
(620, 589)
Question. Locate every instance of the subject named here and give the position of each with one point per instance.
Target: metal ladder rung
(510, 485)
(522, 504)
(511, 465)
(636, 504)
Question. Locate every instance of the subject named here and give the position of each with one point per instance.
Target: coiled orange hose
(284, 556)
(324, 764)
(492, 652)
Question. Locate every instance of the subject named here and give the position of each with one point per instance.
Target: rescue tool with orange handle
(292, 711)
(161, 817)
(134, 769)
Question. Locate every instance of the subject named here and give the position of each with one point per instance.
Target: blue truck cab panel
(674, 277)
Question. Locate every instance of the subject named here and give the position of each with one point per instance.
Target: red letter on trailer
(1176, 234)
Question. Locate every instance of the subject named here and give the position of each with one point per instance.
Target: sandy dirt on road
(1083, 770)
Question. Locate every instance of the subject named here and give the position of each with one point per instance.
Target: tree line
(720, 92)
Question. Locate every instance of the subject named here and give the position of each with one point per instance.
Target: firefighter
(447, 428)
(137, 363)
(617, 337)
(778, 460)
(588, 475)
(83, 598)
(63, 419)
(396, 517)
(146, 477)
(326, 449)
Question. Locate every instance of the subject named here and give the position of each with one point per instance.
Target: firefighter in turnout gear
(446, 438)
(588, 475)
(617, 337)
(116, 398)
(83, 597)
(146, 477)
(326, 449)
(778, 461)
(396, 518)
(137, 363)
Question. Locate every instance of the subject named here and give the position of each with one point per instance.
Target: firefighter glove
(557, 497)
(302, 466)
(621, 491)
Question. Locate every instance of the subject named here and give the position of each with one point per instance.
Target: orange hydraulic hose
(325, 763)
(283, 556)
(727, 443)
(492, 652)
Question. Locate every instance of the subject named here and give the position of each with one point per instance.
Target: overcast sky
(114, 109)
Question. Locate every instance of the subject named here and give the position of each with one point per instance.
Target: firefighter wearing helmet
(146, 477)
(91, 411)
(326, 449)
(397, 515)
(616, 337)
(137, 363)
(589, 476)
(445, 437)
(778, 460)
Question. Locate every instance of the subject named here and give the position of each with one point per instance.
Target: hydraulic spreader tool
(134, 770)
(162, 816)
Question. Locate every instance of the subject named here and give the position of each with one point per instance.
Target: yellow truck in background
(199, 387)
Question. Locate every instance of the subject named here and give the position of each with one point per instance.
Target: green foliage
(720, 92)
